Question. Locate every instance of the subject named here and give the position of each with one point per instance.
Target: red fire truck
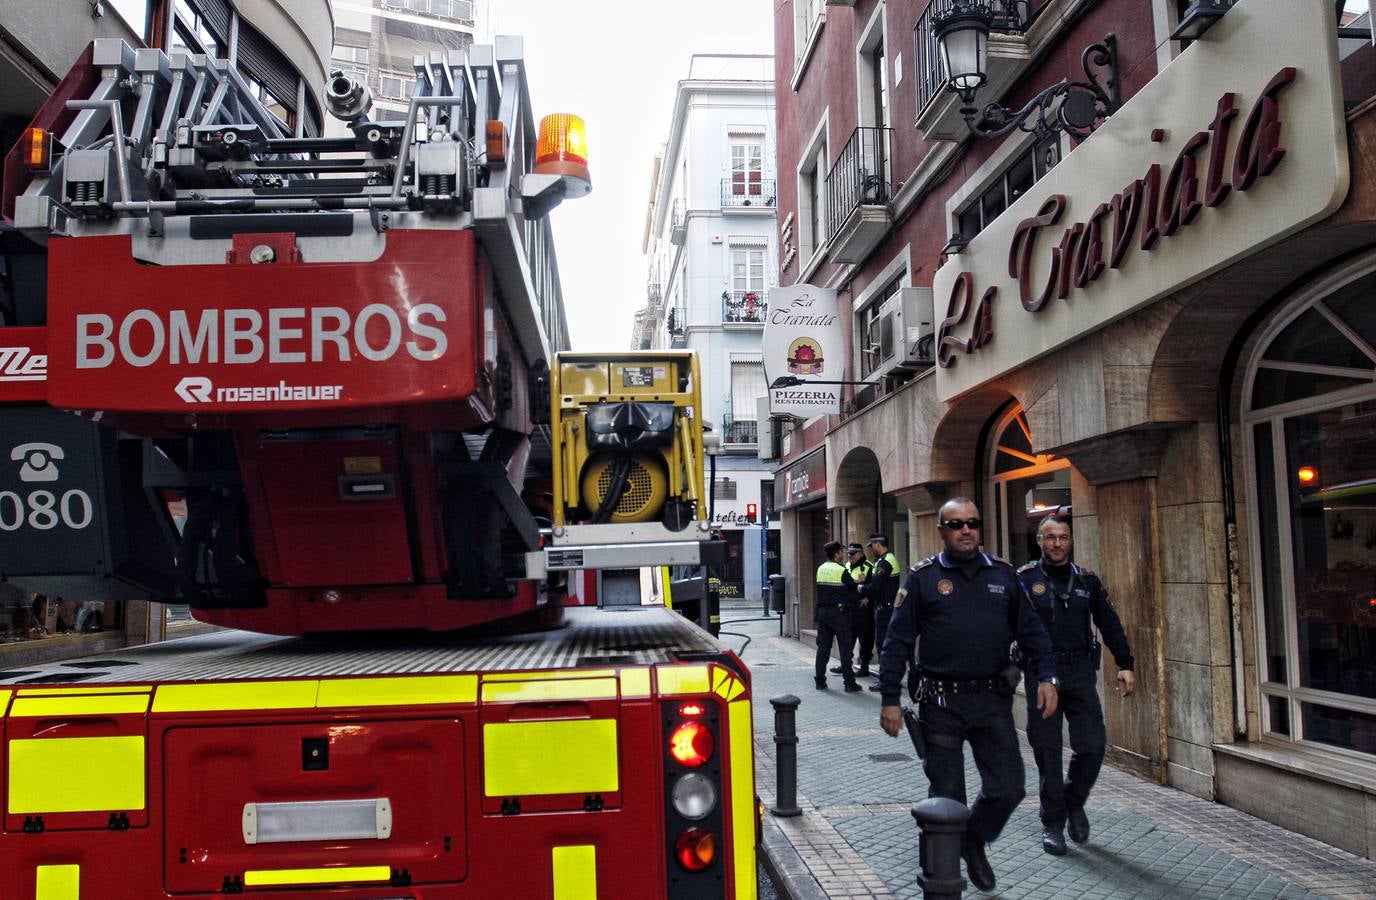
(343, 355)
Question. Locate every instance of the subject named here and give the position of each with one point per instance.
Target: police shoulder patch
(922, 564)
(1027, 567)
(999, 560)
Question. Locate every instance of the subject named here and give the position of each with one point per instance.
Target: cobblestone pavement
(856, 837)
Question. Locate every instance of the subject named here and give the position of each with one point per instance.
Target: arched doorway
(1309, 420)
(1024, 487)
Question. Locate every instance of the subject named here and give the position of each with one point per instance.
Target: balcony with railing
(938, 114)
(858, 192)
(676, 324)
(746, 190)
(654, 295)
(678, 224)
(742, 308)
(741, 431)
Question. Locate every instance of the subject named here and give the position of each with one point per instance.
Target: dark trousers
(882, 614)
(986, 722)
(833, 624)
(1079, 705)
(862, 628)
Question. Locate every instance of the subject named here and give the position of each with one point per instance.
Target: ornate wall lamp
(962, 36)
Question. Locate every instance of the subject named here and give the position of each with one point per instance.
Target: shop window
(1025, 487)
(1026, 170)
(1311, 426)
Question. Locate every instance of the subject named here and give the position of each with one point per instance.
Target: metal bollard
(941, 828)
(785, 756)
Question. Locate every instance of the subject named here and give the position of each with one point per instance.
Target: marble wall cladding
(1191, 781)
(1079, 385)
(1328, 812)
(1187, 623)
(1190, 689)
(1191, 756)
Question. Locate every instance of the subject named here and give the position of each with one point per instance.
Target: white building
(711, 257)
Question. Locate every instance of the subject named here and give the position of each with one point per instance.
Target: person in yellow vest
(836, 599)
(881, 588)
(862, 616)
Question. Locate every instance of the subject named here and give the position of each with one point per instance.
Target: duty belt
(1070, 656)
(936, 687)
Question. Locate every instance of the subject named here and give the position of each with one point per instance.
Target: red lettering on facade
(1258, 146)
(957, 308)
(1020, 253)
(1216, 189)
(1180, 198)
(1127, 209)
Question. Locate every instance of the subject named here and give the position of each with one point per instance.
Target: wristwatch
(1053, 681)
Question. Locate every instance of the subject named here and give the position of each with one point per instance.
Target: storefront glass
(1313, 446)
(1025, 486)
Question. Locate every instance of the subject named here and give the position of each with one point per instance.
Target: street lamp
(962, 37)
(1199, 18)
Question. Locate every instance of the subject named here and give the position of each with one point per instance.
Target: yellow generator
(626, 429)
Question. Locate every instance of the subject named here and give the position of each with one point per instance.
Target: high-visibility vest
(831, 585)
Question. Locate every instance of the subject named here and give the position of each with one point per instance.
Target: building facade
(1163, 329)
(711, 258)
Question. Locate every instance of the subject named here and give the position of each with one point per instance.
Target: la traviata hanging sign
(1179, 183)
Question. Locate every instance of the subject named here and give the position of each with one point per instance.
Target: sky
(617, 63)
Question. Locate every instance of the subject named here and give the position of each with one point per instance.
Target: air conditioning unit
(903, 337)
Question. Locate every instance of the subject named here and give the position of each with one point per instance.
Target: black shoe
(866, 673)
(1053, 841)
(853, 688)
(835, 670)
(820, 684)
(1078, 823)
(977, 866)
(875, 687)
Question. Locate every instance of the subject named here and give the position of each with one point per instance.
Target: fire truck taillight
(695, 849)
(562, 149)
(38, 150)
(695, 764)
(692, 744)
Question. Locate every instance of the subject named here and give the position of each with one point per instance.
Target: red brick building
(1165, 327)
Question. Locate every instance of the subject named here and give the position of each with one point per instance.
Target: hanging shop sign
(1226, 151)
(804, 341)
(803, 481)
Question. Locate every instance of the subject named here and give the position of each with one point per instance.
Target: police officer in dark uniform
(862, 618)
(1068, 597)
(963, 608)
(881, 588)
(836, 602)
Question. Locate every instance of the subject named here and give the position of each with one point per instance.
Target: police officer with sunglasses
(962, 609)
(1072, 602)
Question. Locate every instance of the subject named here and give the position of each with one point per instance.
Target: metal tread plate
(592, 637)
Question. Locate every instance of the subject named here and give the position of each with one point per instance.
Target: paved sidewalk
(856, 837)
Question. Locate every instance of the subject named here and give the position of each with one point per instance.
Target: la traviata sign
(1237, 143)
(803, 339)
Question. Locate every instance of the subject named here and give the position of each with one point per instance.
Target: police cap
(855, 548)
(879, 538)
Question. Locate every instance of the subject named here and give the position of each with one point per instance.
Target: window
(812, 205)
(1012, 183)
(354, 57)
(1311, 424)
(747, 386)
(1025, 487)
(808, 16)
(876, 330)
(747, 165)
(745, 301)
(927, 68)
(396, 86)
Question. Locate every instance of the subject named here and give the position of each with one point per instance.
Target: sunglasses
(957, 524)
